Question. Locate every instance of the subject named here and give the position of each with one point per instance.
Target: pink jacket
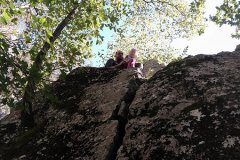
(131, 63)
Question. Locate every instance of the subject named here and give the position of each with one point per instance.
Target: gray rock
(4, 111)
(151, 67)
(189, 110)
(85, 123)
(237, 48)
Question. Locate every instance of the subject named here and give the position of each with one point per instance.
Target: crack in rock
(121, 115)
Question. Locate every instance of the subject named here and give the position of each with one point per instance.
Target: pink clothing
(131, 63)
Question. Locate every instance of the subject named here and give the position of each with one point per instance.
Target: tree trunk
(27, 115)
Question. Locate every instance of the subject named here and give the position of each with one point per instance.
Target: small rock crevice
(121, 115)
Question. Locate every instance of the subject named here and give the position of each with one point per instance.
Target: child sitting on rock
(118, 59)
(129, 61)
(131, 58)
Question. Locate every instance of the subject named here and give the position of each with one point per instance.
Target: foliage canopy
(153, 24)
(229, 13)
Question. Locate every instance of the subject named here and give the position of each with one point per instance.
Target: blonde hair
(133, 53)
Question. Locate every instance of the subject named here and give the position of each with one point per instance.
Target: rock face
(189, 110)
(4, 111)
(237, 48)
(87, 124)
(151, 67)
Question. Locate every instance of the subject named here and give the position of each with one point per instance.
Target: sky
(214, 40)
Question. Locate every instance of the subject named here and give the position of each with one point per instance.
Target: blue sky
(96, 60)
(214, 40)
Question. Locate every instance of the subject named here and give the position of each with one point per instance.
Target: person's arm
(131, 63)
(118, 65)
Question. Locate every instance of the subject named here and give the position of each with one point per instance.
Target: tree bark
(27, 115)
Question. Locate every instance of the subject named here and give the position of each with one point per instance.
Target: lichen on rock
(187, 110)
(86, 125)
(4, 111)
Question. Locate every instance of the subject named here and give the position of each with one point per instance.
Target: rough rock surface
(151, 67)
(4, 110)
(189, 110)
(87, 124)
(237, 48)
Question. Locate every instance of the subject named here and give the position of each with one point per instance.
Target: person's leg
(139, 73)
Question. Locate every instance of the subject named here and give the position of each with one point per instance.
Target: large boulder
(189, 110)
(87, 122)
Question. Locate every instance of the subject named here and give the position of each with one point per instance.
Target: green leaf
(3, 20)
(11, 5)
(6, 16)
(49, 33)
(42, 20)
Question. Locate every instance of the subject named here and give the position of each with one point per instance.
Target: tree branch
(27, 114)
